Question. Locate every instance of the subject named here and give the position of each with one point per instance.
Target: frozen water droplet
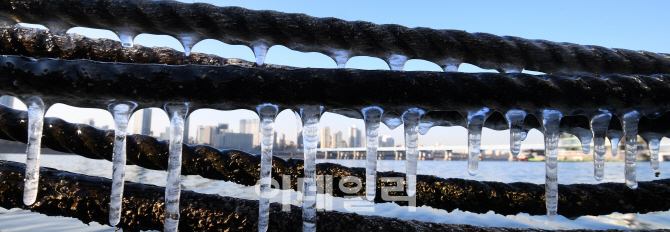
(391, 120)
(654, 146)
(298, 122)
(397, 62)
(310, 117)
(615, 137)
(515, 120)
(372, 117)
(177, 114)
(629, 123)
(267, 114)
(425, 127)
(188, 42)
(509, 68)
(411, 119)
(475, 121)
(260, 51)
(450, 65)
(36, 110)
(126, 39)
(121, 112)
(341, 57)
(550, 120)
(599, 125)
(584, 136)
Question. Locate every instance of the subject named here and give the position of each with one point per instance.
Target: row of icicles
(395, 62)
(549, 119)
(310, 116)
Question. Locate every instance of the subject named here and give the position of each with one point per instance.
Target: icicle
(550, 123)
(450, 65)
(654, 146)
(397, 62)
(341, 57)
(188, 42)
(629, 123)
(614, 137)
(372, 117)
(515, 120)
(475, 122)
(424, 127)
(391, 120)
(126, 38)
(411, 119)
(121, 112)
(599, 124)
(509, 68)
(177, 114)
(260, 51)
(310, 136)
(584, 136)
(36, 110)
(267, 113)
(298, 122)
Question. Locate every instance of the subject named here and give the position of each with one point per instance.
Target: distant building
(252, 126)
(282, 141)
(166, 135)
(206, 135)
(143, 122)
(237, 141)
(386, 141)
(299, 141)
(7, 101)
(337, 141)
(90, 122)
(355, 137)
(324, 137)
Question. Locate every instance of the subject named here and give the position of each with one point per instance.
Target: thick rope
(331, 36)
(83, 82)
(449, 194)
(86, 198)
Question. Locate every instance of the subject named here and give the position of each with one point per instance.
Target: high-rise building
(239, 141)
(282, 141)
(251, 126)
(7, 100)
(206, 135)
(337, 141)
(355, 138)
(143, 122)
(386, 141)
(166, 135)
(299, 141)
(324, 137)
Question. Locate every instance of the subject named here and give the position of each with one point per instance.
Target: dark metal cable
(235, 25)
(449, 194)
(86, 198)
(83, 82)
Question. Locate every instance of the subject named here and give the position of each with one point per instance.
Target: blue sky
(615, 24)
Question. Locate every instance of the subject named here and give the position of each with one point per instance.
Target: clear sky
(616, 24)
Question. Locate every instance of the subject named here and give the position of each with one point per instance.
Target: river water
(532, 172)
